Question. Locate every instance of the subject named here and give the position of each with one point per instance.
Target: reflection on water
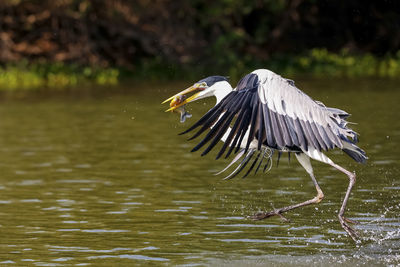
(104, 179)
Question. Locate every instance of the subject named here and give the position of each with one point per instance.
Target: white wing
(301, 121)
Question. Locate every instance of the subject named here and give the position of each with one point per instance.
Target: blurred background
(94, 173)
(63, 42)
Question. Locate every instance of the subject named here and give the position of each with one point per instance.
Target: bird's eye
(201, 86)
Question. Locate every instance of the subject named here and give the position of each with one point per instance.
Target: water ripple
(250, 225)
(129, 256)
(105, 231)
(249, 240)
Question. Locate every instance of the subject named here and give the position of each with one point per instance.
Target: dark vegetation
(102, 40)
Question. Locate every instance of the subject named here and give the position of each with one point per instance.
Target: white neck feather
(224, 88)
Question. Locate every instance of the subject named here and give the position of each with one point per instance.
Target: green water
(101, 178)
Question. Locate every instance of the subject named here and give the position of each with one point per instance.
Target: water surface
(100, 177)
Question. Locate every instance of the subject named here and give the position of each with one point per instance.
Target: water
(100, 177)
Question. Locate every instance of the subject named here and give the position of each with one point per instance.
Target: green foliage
(320, 62)
(58, 75)
(317, 62)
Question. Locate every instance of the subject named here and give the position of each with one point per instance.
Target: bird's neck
(224, 88)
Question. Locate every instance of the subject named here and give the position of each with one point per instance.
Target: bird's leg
(278, 212)
(305, 162)
(343, 220)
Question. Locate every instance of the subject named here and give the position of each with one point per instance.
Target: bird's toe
(264, 215)
(349, 230)
(351, 221)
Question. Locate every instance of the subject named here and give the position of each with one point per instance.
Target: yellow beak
(174, 105)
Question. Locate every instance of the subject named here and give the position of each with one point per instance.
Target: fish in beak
(175, 106)
(180, 99)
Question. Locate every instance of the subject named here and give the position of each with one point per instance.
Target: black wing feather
(309, 134)
(253, 121)
(220, 133)
(291, 129)
(231, 134)
(261, 132)
(318, 137)
(285, 132)
(208, 122)
(252, 165)
(239, 131)
(212, 132)
(300, 134)
(276, 129)
(268, 128)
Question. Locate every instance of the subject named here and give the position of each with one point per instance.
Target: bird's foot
(263, 215)
(350, 231)
(351, 221)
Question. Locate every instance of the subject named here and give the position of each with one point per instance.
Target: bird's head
(204, 88)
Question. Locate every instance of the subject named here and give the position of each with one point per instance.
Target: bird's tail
(348, 137)
(355, 152)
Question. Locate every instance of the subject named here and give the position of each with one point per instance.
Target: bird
(265, 113)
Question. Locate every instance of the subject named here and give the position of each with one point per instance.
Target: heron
(267, 113)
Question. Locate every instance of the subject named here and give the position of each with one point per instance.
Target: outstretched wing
(294, 119)
(266, 109)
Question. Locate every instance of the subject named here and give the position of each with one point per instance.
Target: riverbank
(317, 62)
